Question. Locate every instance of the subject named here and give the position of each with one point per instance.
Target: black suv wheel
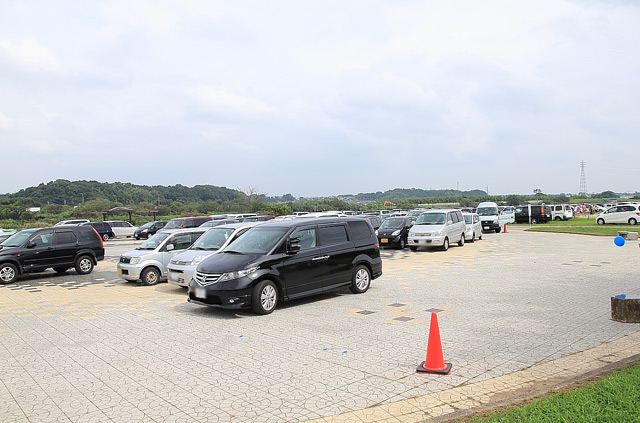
(8, 273)
(84, 265)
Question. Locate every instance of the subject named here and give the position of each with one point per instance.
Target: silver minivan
(181, 267)
(149, 261)
(437, 228)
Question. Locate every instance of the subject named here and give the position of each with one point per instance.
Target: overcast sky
(322, 98)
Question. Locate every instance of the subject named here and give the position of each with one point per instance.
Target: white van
(437, 228)
(561, 212)
(489, 216)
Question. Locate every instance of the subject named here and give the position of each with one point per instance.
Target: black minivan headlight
(238, 274)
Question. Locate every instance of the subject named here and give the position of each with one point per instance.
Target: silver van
(149, 261)
(182, 265)
(437, 228)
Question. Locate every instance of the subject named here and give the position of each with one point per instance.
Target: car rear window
(330, 235)
(360, 230)
(87, 234)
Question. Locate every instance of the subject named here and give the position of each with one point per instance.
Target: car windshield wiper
(232, 252)
(200, 248)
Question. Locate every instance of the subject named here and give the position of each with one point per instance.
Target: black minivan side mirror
(31, 244)
(293, 246)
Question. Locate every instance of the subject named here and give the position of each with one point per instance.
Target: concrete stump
(625, 309)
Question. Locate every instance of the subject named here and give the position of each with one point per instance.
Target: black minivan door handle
(320, 258)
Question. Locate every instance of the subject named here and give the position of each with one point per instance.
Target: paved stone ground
(512, 308)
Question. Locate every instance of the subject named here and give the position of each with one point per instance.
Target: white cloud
(220, 102)
(6, 123)
(31, 55)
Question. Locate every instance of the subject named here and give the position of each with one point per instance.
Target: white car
(122, 228)
(474, 227)
(628, 213)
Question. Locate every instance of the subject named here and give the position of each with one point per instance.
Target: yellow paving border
(523, 384)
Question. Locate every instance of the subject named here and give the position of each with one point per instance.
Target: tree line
(62, 200)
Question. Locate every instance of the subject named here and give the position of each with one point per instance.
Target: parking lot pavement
(517, 311)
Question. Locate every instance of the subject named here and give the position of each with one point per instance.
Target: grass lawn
(580, 225)
(612, 398)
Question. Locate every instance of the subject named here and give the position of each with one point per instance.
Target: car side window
(329, 235)
(66, 237)
(43, 239)
(306, 238)
(194, 237)
(181, 242)
(449, 218)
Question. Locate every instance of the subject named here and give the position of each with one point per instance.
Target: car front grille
(206, 279)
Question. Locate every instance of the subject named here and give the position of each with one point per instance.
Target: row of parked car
(257, 264)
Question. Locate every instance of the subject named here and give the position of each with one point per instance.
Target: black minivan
(287, 259)
(59, 247)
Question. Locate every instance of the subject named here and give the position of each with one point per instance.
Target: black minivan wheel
(264, 297)
(8, 273)
(84, 265)
(361, 280)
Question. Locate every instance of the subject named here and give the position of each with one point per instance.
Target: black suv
(288, 259)
(60, 247)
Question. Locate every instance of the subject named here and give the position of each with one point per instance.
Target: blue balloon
(619, 241)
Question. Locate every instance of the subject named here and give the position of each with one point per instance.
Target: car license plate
(199, 292)
(384, 240)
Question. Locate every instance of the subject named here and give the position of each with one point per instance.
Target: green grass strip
(614, 398)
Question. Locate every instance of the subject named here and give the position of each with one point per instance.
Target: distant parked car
(561, 212)
(437, 228)
(121, 228)
(261, 218)
(186, 222)
(539, 214)
(474, 227)
(394, 231)
(629, 214)
(212, 223)
(103, 229)
(149, 229)
(149, 261)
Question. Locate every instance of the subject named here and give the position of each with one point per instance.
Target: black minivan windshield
(256, 241)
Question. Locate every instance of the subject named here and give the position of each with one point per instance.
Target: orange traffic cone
(435, 361)
(505, 228)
